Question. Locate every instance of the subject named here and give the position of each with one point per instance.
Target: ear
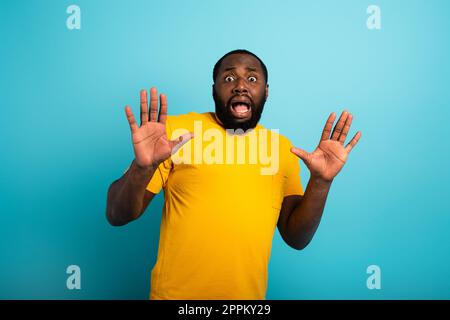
(267, 91)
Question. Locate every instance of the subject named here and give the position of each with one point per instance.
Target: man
(219, 215)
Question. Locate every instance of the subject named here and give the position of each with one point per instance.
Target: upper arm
(288, 205)
(148, 197)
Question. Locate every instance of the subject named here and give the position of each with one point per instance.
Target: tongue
(241, 108)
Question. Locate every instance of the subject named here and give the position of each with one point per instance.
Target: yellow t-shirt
(220, 211)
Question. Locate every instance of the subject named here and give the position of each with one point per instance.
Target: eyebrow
(248, 69)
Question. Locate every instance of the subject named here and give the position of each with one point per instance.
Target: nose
(240, 87)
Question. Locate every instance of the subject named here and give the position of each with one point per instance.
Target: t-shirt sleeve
(159, 179)
(293, 183)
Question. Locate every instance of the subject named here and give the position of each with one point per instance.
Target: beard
(229, 122)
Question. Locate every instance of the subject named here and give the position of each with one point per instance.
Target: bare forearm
(125, 196)
(305, 218)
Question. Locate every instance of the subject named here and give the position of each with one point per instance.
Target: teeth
(241, 108)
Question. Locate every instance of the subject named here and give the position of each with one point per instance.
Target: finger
(153, 104)
(339, 126)
(131, 120)
(144, 107)
(344, 132)
(328, 125)
(162, 109)
(302, 154)
(353, 142)
(178, 143)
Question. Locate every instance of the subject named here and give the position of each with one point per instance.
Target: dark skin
(239, 74)
(300, 216)
(127, 197)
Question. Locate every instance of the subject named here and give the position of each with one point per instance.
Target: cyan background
(64, 136)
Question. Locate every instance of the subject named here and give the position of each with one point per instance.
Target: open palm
(150, 143)
(329, 157)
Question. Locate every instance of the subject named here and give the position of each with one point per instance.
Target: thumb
(176, 144)
(302, 154)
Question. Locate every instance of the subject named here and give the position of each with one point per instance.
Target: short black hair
(238, 51)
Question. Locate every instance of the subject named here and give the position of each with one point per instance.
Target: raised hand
(330, 155)
(150, 143)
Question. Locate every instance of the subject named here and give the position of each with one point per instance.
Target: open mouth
(241, 110)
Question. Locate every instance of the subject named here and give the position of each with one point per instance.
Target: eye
(229, 78)
(252, 79)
